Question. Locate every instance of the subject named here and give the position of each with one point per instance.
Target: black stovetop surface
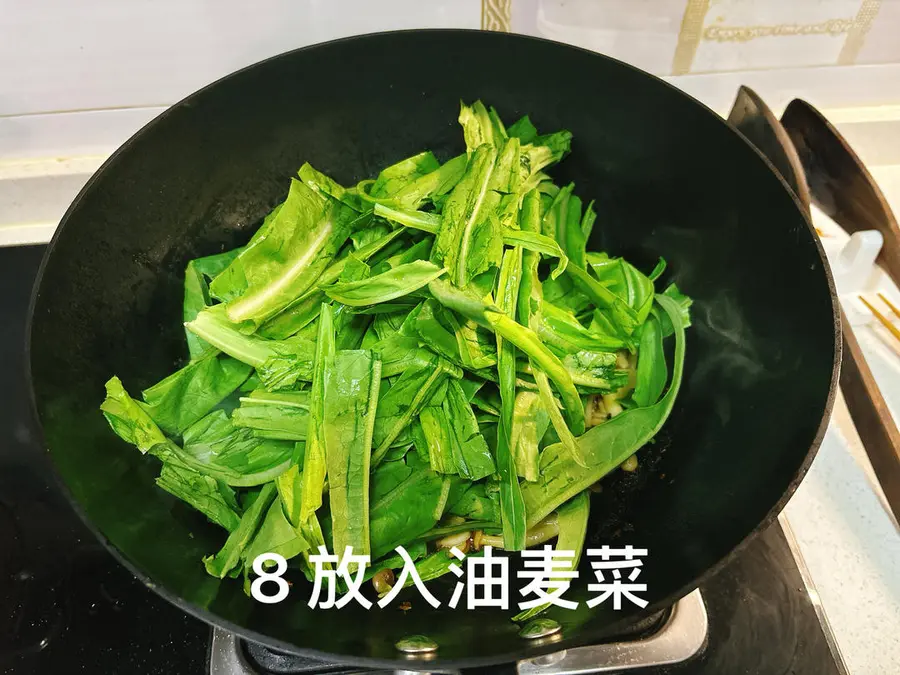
(69, 607)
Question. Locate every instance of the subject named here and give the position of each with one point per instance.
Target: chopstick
(889, 304)
(886, 322)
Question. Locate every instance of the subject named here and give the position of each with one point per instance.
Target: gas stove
(70, 607)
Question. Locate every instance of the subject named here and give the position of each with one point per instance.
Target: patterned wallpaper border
(496, 15)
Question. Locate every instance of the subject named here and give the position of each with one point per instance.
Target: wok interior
(669, 179)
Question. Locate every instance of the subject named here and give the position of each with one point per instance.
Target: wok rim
(586, 637)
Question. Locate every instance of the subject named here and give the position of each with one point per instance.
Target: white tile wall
(63, 55)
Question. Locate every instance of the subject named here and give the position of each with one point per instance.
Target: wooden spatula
(819, 167)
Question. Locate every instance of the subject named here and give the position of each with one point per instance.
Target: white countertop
(846, 535)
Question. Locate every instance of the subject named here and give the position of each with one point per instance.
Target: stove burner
(681, 637)
(264, 660)
(666, 638)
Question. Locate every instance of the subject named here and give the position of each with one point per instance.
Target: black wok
(670, 178)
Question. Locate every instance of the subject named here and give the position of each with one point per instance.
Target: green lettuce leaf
(625, 281)
(130, 422)
(464, 210)
(561, 329)
(315, 467)
(305, 309)
(400, 402)
(279, 363)
(186, 395)
(352, 381)
(469, 449)
(651, 366)
(512, 508)
(228, 558)
(606, 445)
(211, 497)
(197, 275)
(395, 283)
(480, 127)
(299, 245)
(684, 306)
(319, 182)
(216, 447)
(407, 510)
(276, 415)
(529, 423)
(398, 176)
(523, 338)
(523, 129)
(275, 535)
(476, 503)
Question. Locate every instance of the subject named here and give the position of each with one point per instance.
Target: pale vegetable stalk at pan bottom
(405, 363)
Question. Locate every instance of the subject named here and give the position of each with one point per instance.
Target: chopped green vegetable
(275, 535)
(606, 445)
(279, 363)
(522, 337)
(466, 215)
(229, 556)
(350, 397)
(625, 281)
(529, 423)
(651, 366)
(572, 520)
(299, 245)
(512, 508)
(476, 503)
(314, 461)
(395, 283)
(215, 446)
(319, 182)
(128, 419)
(197, 275)
(188, 394)
(406, 511)
(684, 305)
(408, 361)
(402, 401)
(397, 176)
(211, 497)
(283, 416)
(470, 452)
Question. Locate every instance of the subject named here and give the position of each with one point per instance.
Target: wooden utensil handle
(872, 417)
(839, 182)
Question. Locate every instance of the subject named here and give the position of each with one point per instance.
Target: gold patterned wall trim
(689, 36)
(857, 35)
(833, 27)
(496, 15)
